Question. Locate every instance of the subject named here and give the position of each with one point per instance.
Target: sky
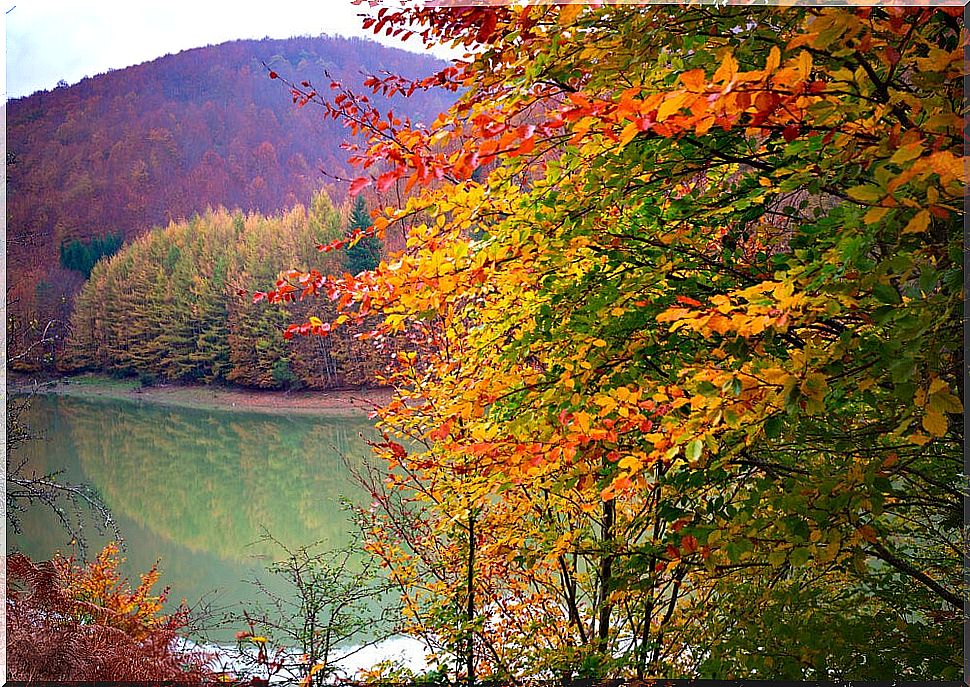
(51, 40)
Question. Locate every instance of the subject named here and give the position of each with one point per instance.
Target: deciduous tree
(691, 343)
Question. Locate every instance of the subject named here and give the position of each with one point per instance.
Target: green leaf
(694, 449)
(886, 294)
(773, 426)
(865, 193)
(799, 557)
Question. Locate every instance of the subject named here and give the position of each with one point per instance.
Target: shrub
(68, 622)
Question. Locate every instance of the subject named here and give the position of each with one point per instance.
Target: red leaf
(273, 75)
(333, 245)
(487, 27)
(442, 432)
(386, 180)
(687, 300)
(359, 185)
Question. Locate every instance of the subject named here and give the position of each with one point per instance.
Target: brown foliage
(54, 633)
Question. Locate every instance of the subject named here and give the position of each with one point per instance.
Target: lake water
(196, 488)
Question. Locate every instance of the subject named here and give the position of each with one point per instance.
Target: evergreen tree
(366, 253)
(81, 256)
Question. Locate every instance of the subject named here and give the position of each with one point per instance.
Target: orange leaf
(728, 69)
(694, 80)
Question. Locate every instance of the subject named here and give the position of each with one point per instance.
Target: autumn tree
(691, 346)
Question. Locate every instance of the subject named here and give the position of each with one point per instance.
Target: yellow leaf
(934, 422)
(919, 223)
(582, 421)
(316, 322)
(629, 133)
(774, 59)
(805, 63)
(568, 13)
(630, 464)
(875, 215)
(919, 439)
(865, 193)
(776, 375)
(938, 385)
(728, 69)
(907, 153)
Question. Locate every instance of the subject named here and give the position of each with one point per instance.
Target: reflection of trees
(211, 481)
(69, 508)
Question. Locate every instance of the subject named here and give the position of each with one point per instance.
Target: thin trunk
(658, 646)
(644, 649)
(606, 577)
(569, 587)
(470, 607)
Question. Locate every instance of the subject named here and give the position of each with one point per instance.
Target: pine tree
(366, 253)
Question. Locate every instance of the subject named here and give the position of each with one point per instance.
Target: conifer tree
(366, 253)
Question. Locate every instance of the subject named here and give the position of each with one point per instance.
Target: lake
(196, 488)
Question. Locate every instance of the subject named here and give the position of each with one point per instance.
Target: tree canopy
(683, 291)
(169, 307)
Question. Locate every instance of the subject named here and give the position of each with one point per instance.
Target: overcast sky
(50, 40)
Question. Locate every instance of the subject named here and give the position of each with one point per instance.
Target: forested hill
(134, 148)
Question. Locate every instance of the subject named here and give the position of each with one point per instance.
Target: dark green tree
(81, 256)
(366, 253)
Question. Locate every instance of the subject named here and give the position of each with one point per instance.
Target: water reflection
(195, 488)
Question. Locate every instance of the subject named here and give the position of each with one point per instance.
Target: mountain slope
(157, 142)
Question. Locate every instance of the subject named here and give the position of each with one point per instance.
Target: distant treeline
(168, 307)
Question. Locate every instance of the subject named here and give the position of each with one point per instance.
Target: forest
(677, 327)
(173, 306)
(122, 152)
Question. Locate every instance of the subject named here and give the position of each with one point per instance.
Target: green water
(195, 488)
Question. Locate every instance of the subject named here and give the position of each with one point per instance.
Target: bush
(67, 622)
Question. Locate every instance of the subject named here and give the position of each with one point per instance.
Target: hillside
(158, 142)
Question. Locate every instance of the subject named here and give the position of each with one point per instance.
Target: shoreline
(336, 403)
